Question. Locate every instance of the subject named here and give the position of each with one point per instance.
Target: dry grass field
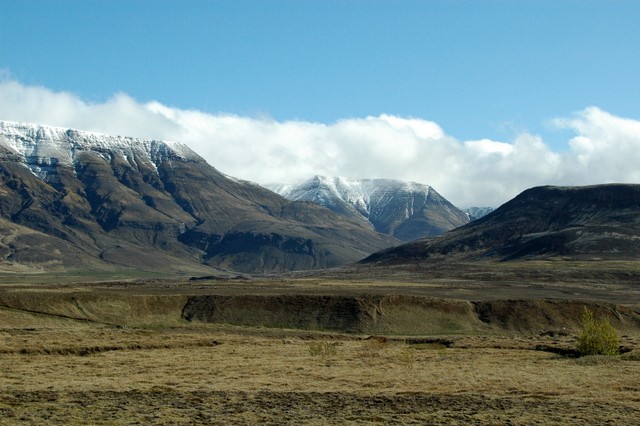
(67, 361)
(68, 372)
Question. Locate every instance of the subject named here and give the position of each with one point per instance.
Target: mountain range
(600, 222)
(74, 199)
(78, 200)
(404, 210)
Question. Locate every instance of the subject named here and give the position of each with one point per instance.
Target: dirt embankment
(109, 308)
(361, 313)
(397, 314)
(351, 314)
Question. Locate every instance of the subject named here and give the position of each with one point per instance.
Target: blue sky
(479, 69)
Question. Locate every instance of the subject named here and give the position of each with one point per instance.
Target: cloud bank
(480, 172)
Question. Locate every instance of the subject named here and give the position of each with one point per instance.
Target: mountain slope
(592, 222)
(476, 213)
(151, 204)
(406, 210)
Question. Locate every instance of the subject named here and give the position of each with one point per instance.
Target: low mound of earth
(494, 301)
(599, 222)
(398, 314)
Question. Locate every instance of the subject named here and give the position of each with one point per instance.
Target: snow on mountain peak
(39, 145)
(407, 210)
(358, 193)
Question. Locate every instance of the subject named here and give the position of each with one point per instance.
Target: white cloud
(487, 147)
(605, 148)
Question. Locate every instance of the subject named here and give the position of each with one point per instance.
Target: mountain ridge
(405, 210)
(134, 202)
(548, 222)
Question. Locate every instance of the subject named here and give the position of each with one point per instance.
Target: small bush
(323, 349)
(597, 337)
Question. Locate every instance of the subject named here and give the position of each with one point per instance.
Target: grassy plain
(97, 360)
(64, 372)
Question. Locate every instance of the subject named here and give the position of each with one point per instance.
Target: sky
(481, 99)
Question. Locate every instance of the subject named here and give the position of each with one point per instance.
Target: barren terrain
(125, 352)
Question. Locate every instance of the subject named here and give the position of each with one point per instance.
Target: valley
(457, 344)
(140, 285)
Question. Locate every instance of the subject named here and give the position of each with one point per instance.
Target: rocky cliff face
(592, 222)
(405, 210)
(78, 199)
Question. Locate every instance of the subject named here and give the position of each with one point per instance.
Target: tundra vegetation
(598, 337)
(125, 353)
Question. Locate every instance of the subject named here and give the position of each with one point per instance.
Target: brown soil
(276, 408)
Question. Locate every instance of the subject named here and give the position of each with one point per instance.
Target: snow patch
(43, 147)
(361, 194)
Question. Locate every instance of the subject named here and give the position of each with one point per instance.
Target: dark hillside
(75, 199)
(582, 223)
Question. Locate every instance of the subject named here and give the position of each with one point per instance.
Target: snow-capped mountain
(41, 148)
(406, 210)
(70, 198)
(476, 213)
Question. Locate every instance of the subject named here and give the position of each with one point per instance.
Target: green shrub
(598, 337)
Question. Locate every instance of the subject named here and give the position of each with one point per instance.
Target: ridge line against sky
(603, 148)
(480, 99)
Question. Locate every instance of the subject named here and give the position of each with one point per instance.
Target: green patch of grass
(631, 356)
(597, 360)
(430, 346)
